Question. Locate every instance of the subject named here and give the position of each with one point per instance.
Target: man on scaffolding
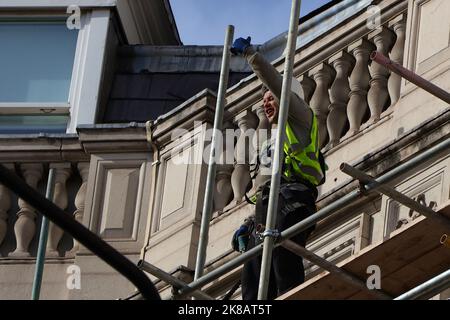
(303, 170)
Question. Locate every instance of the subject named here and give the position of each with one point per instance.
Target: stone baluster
(396, 55)
(378, 94)
(240, 177)
(60, 199)
(5, 205)
(262, 132)
(359, 84)
(224, 192)
(80, 198)
(342, 63)
(308, 86)
(25, 226)
(323, 75)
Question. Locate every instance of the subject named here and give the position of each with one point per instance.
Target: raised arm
(299, 110)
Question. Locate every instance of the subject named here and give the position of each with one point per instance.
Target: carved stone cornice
(112, 138)
(41, 148)
(199, 108)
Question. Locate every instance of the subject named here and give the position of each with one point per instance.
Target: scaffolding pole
(168, 278)
(410, 76)
(341, 203)
(270, 234)
(429, 288)
(394, 194)
(210, 180)
(43, 236)
(333, 269)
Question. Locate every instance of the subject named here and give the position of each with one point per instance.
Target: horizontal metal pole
(168, 278)
(333, 269)
(429, 288)
(84, 236)
(319, 215)
(394, 194)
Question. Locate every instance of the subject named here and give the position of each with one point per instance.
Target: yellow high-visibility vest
(302, 162)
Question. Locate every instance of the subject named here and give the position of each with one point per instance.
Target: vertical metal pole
(279, 154)
(40, 259)
(210, 180)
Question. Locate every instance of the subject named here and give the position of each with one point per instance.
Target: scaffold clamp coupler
(363, 189)
(271, 233)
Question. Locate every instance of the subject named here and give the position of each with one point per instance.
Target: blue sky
(203, 22)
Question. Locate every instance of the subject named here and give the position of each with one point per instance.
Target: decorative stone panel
(117, 199)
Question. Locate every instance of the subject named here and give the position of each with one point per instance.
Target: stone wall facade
(124, 183)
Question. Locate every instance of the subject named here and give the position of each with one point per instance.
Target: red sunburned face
(270, 107)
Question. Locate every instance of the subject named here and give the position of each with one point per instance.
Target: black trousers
(287, 269)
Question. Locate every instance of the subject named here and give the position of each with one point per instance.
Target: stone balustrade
(347, 93)
(20, 222)
(5, 205)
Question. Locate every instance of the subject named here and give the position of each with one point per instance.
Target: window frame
(88, 67)
(26, 108)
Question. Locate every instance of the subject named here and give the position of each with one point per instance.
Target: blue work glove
(241, 238)
(239, 45)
